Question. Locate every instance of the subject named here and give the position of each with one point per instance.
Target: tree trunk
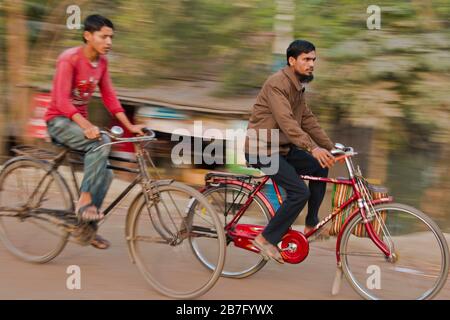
(17, 95)
(2, 103)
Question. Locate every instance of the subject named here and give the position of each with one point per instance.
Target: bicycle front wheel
(417, 270)
(28, 196)
(159, 234)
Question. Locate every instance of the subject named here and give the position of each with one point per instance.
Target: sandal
(100, 243)
(83, 213)
(269, 251)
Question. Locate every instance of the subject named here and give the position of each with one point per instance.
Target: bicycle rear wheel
(417, 271)
(227, 200)
(27, 231)
(158, 237)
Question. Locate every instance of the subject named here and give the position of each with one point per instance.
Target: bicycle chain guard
(243, 235)
(294, 246)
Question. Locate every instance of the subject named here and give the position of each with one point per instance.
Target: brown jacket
(281, 105)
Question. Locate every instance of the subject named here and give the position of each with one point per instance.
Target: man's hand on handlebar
(92, 132)
(325, 158)
(137, 129)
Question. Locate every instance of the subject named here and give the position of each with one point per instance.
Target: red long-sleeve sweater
(74, 83)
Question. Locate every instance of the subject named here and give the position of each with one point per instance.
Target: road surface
(109, 274)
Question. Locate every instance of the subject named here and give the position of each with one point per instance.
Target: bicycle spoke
(41, 197)
(154, 223)
(364, 254)
(200, 215)
(414, 272)
(177, 210)
(31, 233)
(44, 227)
(149, 239)
(22, 187)
(10, 214)
(202, 229)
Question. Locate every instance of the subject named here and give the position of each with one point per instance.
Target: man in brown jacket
(300, 145)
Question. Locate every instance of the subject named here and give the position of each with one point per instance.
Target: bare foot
(89, 213)
(267, 249)
(86, 210)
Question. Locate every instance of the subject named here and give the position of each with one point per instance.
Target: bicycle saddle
(63, 146)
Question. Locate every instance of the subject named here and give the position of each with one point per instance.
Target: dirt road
(109, 274)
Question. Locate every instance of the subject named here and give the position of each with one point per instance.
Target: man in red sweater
(79, 71)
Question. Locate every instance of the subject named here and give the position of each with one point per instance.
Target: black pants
(296, 162)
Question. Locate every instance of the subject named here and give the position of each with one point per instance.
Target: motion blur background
(382, 91)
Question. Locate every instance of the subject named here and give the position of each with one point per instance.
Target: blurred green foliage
(396, 77)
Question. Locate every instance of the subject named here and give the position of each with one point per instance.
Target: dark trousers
(296, 162)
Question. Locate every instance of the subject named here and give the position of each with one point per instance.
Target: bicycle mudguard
(351, 217)
(23, 158)
(132, 208)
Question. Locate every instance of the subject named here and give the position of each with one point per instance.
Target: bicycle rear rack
(212, 175)
(75, 156)
(35, 152)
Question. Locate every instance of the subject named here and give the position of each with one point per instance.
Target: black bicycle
(37, 216)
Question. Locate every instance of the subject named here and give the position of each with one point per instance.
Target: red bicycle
(404, 257)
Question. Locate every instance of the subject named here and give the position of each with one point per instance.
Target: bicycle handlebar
(116, 132)
(342, 150)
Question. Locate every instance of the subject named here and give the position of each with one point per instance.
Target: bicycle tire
(407, 273)
(8, 238)
(139, 257)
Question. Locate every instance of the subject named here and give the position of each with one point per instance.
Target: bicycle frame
(54, 161)
(141, 175)
(356, 197)
(64, 157)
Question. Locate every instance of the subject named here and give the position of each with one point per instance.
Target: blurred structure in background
(385, 91)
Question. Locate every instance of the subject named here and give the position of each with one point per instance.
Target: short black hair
(95, 22)
(298, 47)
